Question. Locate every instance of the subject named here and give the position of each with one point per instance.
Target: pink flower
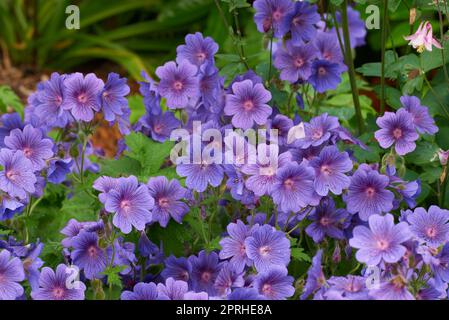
(443, 156)
(422, 39)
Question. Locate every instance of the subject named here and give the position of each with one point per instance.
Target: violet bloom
(398, 129)
(295, 62)
(105, 185)
(178, 83)
(423, 38)
(131, 204)
(367, 193)
(227, 279)
(431, 227)
(191, 295)
(11, 273)
(17, 177)
(58, 169)
(248, 104)
(160, 126)
(267, 247)
(272, 15)
(233, 247)
(200, 175)
(58, 286)
(303, 19)
(9, 122)
(205, 269)
(293, 189)
(350, 287)
(88, 255)
(197, 50)
(141, 291)
(330, 168)
(245, 294)
(329, 48)
(325, 75)
(422, 120)
(81, 95)
(393, 289)
(318, 130)
(177, 268)
(32, 144)
(315, 276)
(382, 241)
(167, 196)
(275, 284)
(113, 96)
(172, 289)
(282, 124)
(327, 221)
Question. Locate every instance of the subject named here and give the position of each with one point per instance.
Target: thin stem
(351, 71)
(383, 44)
(442, 192)
(440, 17)
(271, 57)
(239, 36)
(436, 96)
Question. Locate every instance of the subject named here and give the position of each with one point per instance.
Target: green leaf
(8, 99)
(424, 153)
(137, 107)
(124, 166)
(300, 255)
(113, 275)
(236, 4)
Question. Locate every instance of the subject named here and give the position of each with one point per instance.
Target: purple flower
(113, 96)
(104, 185)
(245, 294)
(275, 284)
(131, 204)
(196, 296)
(382, 241)
(172, 289)
(295, 62)
(328, 47)
(272, 15)
(293, 189)
(177, 268)
(302, 21)
(227, 279)
(88, 255)
(357, 28)
(248, 104)
(81, 95)
(58, 286)
(367, 193)
(398, 129)
(200, 175)
(325, 75)
(58, 169)
(350, 287)
(210, 86)
(421, 119)
(160, 126)
(318, 130)
(17, 177)
(167, 196)
(327, 220)
(30, 142)
(267, 247)
(9, 122)
(178, 84)
(141, 291)
(330, 168)
(205, 269)
(431, 227)
(197, 50)
(315, 276)
(11, 272)
(233, 247)
(393, 289)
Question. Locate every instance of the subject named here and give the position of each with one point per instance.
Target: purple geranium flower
(328, 47)
(113, 96)
(382, 241)
(177, 268)
(367, 193)
(234, 246)
(327, 220)
(392, 289)
(330, 168)
(160, 126)
(88, 255)
(11, 272)
(275, 284)
(302, 21)
(81, 95)
(200, 175)
(248, 104)
(58, 169)
(318, 130)
(141, 291)
(9, 122)
(205, 269)
(272, 15)
(131, 204)
(293, 189)
(17, 177)
(57, 285)
(30, 142)
(197, 50)
(398, 129)
(246, 294)
(167, 196)
(172, 289)
(267, 247)
(325, 75)
(178, 84)
(104, 185)
(295, 62)
(421, 119)
(315, 276)
(350, 287)
(431, 227)
(227, 279)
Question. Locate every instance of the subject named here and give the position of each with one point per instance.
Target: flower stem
(440, 17)
(383, 44)
(271, 58)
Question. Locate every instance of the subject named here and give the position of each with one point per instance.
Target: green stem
(239, 38)
(271, 58)
(440, 17)
(442, 190)
(351, 71)
(443, 107)
(383, 44)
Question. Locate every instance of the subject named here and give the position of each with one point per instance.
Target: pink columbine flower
(422, 39)
(443, 156)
